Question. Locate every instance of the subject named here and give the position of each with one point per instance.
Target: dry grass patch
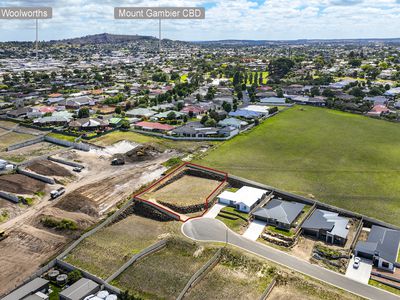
(13, 138)
(185, 191)
(108, 249)
(164, 274)
(235, 277)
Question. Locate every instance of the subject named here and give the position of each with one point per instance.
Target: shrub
(63, 224)
(74, 276)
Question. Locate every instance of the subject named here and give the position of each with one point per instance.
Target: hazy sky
(225, 19)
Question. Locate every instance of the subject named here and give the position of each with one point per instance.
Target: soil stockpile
(140, 153)
(20, 184)
(48, 168)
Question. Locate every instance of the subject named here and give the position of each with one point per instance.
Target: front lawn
(274, 229)
(384, 287)
(233, 218)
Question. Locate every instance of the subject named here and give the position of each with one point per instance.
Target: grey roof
(27, 289)
(282, 211)
(80, 289)
(329, 221)
(383, 242)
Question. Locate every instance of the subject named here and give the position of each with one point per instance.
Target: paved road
(204, 229)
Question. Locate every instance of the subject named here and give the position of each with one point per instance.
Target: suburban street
(205, 229)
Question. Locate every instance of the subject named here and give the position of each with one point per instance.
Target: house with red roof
(47, 109)
(378, 110)
(154, 127)
(195, 109)
(55, 95)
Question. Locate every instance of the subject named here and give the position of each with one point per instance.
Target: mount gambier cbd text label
(159, 13)
(26, 12)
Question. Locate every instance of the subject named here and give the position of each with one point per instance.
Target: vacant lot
(48, 168)
(343, 159)
(7, 124)
(13, 138)
(30, 152)
(185, 191)
(164, 274)
(160, 143)
(20, 184)
(23, 252)
(233, 278)
(107, 250)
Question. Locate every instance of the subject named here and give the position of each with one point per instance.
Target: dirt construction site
(36, 233)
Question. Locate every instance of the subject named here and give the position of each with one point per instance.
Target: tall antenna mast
(37, 39)
(159, 35)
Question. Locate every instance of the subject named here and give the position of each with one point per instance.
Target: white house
(244, 199)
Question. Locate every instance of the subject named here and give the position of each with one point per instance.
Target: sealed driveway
(363, 272)
(254, 230)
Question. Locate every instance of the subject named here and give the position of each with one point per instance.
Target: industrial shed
(29, 289)
(80, 289)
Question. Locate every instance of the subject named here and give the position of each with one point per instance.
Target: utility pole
(37, 39)
(159, 35)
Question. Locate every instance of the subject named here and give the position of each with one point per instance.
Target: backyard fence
(268, 290)
(201, 273)
(26, 143)
(149, 250)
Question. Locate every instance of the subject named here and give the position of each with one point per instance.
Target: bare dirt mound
(48, 168)
(140, 153)
(76, 202)
(20, 184)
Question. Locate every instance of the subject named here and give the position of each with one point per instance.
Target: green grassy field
(343, 159)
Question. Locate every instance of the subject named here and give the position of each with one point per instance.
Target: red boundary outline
(137, 196)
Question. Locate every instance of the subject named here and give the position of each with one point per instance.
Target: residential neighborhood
(253, 155)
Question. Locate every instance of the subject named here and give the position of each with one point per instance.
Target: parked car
(356, 263)
(77, 169)
(57, 193)
(118, 162)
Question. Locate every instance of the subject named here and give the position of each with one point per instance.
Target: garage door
(365, 255)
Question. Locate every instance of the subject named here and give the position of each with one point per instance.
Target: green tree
(83, 112)
(118, 110)
(171, 116)
(210, 123)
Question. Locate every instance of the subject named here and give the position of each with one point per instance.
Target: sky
(225, 19)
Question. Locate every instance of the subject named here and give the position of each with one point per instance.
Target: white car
(356, 263)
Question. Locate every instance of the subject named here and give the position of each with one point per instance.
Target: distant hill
(105, 38)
